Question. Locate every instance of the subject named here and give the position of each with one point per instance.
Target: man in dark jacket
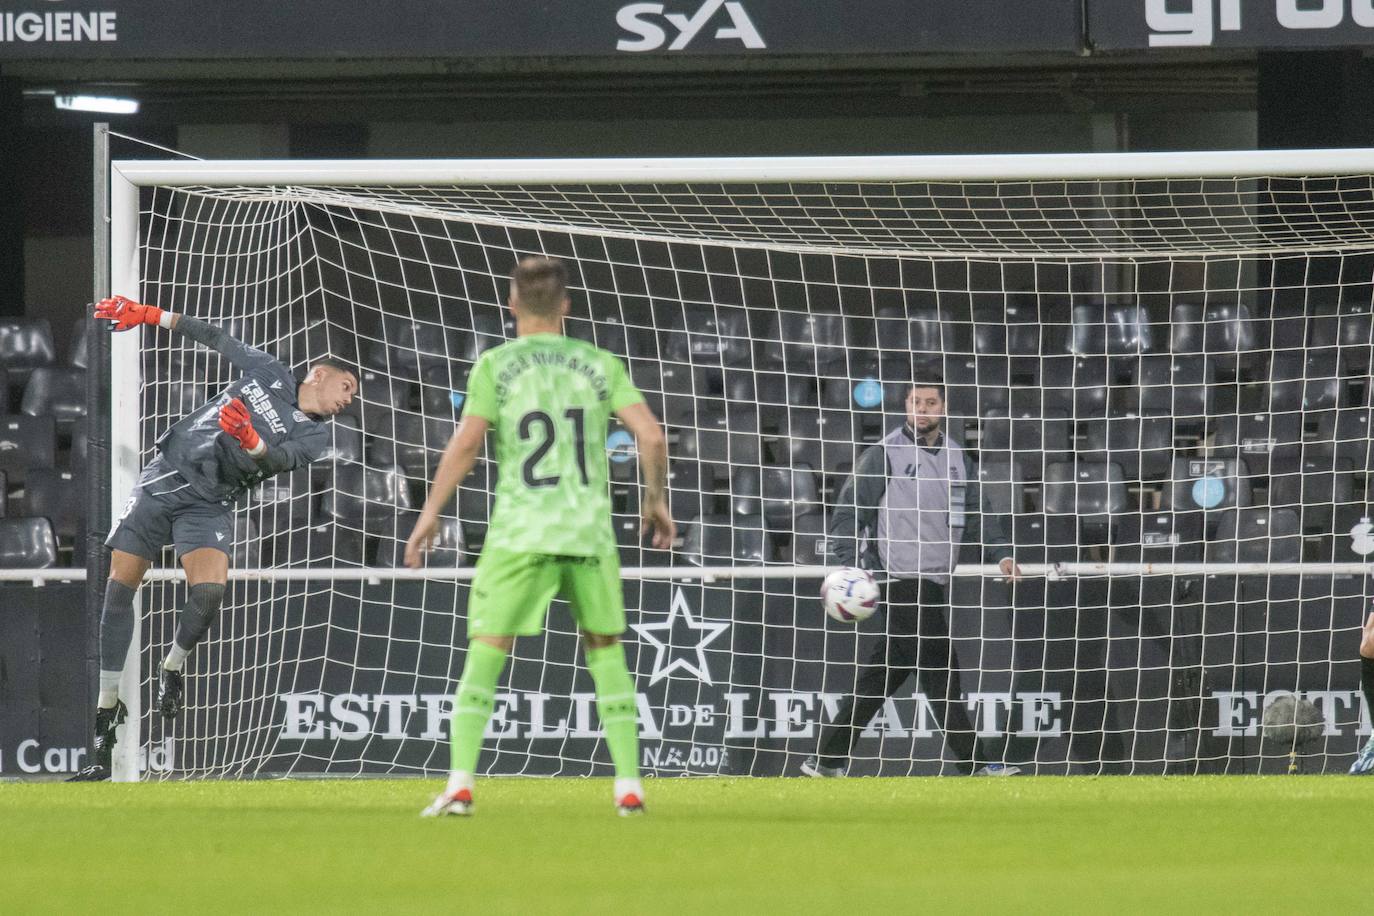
(911, 503)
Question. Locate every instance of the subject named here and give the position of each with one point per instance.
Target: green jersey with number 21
(548, 399)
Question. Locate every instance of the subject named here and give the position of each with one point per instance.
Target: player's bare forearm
(653, 467)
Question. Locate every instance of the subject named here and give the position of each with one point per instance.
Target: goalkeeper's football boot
(998, 769)
(457, 802)
(629, 797)
(171, 692)
(1364, 764)
(107, 721)
(815, 766)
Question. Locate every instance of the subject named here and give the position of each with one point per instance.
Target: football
(850, 594)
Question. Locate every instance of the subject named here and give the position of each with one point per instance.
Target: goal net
(1158, 366)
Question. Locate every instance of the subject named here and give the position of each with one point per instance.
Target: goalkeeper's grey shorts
(163, 509)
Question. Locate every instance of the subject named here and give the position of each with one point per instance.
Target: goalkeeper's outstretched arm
(128, 314)
(459, 456)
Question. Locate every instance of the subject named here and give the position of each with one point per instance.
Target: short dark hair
(332, 362)
(541, 285)
(930, 379)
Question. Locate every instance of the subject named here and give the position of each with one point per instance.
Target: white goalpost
(1159, 364)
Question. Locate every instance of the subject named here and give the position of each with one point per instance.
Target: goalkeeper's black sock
(116, 633)
(1367, 682)
(202, 605)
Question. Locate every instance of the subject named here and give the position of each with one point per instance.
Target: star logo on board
(680, 631)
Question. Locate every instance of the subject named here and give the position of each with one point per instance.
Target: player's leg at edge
(1364, 763)
(116, 634)
(616, 706)
(472, 706)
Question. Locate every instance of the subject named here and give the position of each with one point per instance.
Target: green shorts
(511, 593)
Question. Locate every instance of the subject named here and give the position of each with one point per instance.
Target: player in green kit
(546, 399)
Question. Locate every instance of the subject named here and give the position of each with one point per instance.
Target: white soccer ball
(850, 594)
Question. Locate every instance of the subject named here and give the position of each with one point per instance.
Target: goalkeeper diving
(546, 399)
(265, 423)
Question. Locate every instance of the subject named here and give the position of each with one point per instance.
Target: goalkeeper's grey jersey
(213, 462)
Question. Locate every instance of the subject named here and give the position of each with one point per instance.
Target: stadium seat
(442, 391)
(788, 389)
(1258, 534)
(1351, 329)
(27, 543)
(788, 494)
(4, 494)
(1223, 332)
(175, 400)
(347, 446)
(491, 326)
(58, 496)
(283, 501)
(922, 331)
(446, 552)
(1344, 433)
(331, 544)
(25, 345)
(1142, 445)
(719, 338)
(1089, 490)
(410, 445)
(1116, 330)
(686, 496)
(746, 492)
(805, 342)
(1209, 486)
(409, 347)
(56, 392)
(726, 539)
(1313, 486)
(79, 456)
(26, 442)
(1179, 385)
(810, 546)
(367, 497)
(475, 498)
(77, 350)
(1305, 380)
(1259, 438)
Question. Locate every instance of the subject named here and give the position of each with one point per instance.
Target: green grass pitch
(1205, 844)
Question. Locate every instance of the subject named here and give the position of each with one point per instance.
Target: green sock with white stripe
(615, 704)
(473, 702)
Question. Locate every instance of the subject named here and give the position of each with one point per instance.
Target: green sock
(615, 704)
(472, 703)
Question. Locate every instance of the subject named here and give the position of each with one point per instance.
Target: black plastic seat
(1088, 490)
(1142, 445)
(58, 496)
(1179, 385)
(810, 546)
(805, 342)
(26, 442)
(1259, 534)
(788, 494)
(25, 344)
(1224, 332)
(1305, 380)
(27, 543)
(368, 498)
(56, 392)
(79, 348)
(724, 539)
(1262, 439)
(1315, 487)
(1345, 434)
(1116, 330)
(346, 444)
